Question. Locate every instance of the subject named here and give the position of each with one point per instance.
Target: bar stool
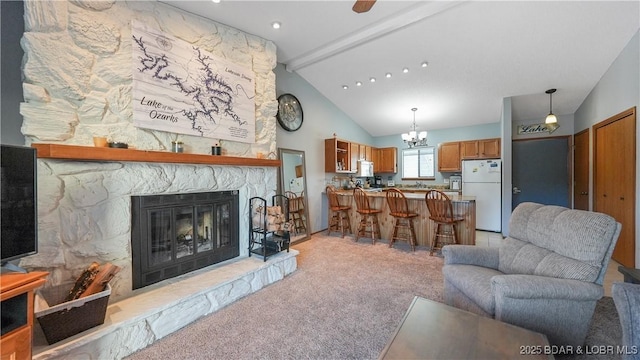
(338, 214)
(368, 215)
(296, 210)
(402, 218)
(441, 212)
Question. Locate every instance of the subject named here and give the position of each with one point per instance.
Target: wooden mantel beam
(90, 153)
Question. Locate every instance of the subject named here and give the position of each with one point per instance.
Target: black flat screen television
(18, 172)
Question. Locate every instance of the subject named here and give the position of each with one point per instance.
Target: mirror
(293, 184)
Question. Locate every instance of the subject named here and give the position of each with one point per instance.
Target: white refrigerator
(483, 179)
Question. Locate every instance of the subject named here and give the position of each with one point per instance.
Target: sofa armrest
(626, 297)
(542, 287)
(559, 308)
(471, 255)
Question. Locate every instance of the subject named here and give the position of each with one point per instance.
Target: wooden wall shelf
(90, 153)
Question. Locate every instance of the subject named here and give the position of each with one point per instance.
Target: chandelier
(413, 138)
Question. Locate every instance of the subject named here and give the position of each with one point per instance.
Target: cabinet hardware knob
(621, 197)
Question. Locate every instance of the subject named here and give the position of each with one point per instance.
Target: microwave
(365, 168)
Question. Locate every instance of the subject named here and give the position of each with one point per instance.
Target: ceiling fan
(363, 5)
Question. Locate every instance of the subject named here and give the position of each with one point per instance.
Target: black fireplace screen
(175, 234)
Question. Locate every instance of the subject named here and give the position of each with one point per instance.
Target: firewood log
(83, 281)
(107, 272)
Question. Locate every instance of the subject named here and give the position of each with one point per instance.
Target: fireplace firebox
(178, 233)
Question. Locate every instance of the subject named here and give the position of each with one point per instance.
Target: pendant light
(413, 138)
(551, 119)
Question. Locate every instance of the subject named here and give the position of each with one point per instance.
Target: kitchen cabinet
(17, 296)
(360, 152)
(469, 149)
(337, 151)
(376, 158)
(449, 157)
(451, 153)
(337, 156)
(385, 160)
(489, 148)
(354, 156)
(480, 149)
(367, 151)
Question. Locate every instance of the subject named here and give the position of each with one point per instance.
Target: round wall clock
(289, 112)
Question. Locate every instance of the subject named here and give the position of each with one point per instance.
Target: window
(419, 163)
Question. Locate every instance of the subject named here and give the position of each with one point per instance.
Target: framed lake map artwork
(180, 88)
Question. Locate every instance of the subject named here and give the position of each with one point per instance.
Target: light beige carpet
(344, 302)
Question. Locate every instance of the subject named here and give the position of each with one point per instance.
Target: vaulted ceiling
(478, 52)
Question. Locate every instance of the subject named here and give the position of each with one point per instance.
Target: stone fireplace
(77, 83)
(175, 234)
(85, 207)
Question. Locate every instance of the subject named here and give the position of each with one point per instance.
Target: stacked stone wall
(77, 83)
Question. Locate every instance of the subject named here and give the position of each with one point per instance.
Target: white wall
(321, 120)
(617, 90)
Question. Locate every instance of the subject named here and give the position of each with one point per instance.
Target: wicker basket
(64, 319)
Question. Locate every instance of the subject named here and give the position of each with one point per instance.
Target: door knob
(516, 190)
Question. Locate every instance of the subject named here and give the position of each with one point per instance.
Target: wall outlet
(445, 181)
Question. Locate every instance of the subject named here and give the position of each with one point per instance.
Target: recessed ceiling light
(275, 25)
(372, 79)
(424, 64)
(388, 75)
(216, 1)
(358, 83)
(345, 87)
(405, 70)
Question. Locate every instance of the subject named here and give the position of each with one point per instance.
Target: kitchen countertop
(424, 190)
(410, 195)
(415, 188)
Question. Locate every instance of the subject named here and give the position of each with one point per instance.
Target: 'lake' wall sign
(537, 128)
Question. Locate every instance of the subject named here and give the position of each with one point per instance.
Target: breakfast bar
(462, 205)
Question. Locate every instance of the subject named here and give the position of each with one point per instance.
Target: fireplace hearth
(178, 233)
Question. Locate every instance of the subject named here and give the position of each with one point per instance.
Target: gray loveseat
(546, 276)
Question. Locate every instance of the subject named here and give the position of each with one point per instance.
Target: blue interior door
(541, 171)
